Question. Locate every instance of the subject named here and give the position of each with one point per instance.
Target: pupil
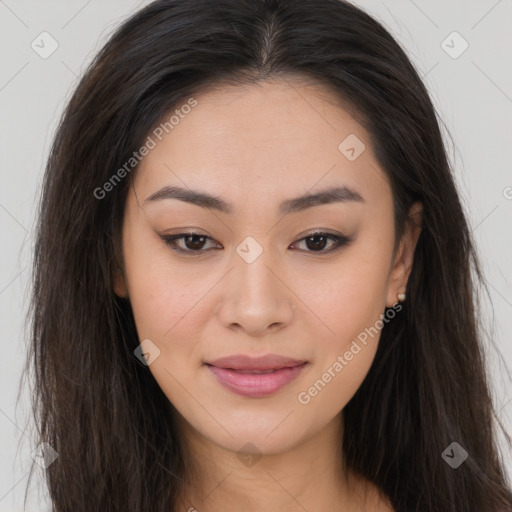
(314, 242)
(195, 245)
(316, 245)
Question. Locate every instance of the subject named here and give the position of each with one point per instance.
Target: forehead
(288, 135)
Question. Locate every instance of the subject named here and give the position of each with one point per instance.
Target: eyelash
(170, 240)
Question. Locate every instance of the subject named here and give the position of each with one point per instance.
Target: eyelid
(171, 239)
(339, 239)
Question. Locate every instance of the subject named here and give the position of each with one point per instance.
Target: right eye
(193, 243)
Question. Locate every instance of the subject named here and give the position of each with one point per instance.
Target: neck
(311, 476)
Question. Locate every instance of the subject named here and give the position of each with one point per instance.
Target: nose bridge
(256, 279)
(257, 299)
(255, 275)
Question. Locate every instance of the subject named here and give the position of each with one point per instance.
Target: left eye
(316, 242)
(194, 242)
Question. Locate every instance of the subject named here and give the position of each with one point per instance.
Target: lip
(244, 375)
(266, 362)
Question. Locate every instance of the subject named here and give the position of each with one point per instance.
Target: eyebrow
(338, 194)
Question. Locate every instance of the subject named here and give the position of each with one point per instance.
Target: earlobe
(119, 284)
(404, 258)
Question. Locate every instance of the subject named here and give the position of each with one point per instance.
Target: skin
(244, 144)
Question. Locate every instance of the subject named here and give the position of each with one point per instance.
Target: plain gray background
(472, 91)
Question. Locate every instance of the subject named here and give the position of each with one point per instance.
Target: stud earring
(400, 297)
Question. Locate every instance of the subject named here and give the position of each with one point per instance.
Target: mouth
(256, 377)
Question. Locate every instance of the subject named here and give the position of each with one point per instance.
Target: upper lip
(267, 362)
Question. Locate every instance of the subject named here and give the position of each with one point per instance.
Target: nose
(256, 299)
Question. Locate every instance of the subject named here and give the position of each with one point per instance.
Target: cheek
(350, 298)
(170, 309)
(351, 307)
(334, 384)
(345, 357)
(171, 312)
(164, 296)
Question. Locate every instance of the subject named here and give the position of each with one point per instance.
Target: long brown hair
(104, 413)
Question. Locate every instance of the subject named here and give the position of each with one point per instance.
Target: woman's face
(255, 281)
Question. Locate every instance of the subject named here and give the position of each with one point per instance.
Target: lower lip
(256, 385)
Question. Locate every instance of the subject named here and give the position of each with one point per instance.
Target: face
(246, 275)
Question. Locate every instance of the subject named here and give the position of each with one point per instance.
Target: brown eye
(191, 242)
(194, 242)
(317, 242)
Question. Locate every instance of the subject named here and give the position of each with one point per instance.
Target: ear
(404, 257)
(119, 284)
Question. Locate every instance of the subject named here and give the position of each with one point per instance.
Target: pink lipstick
(256, 377)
